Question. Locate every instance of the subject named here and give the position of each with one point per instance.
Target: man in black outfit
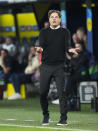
(54, 43)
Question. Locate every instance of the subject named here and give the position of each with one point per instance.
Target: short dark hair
(54, 11)
(2, 49)
(81, 29)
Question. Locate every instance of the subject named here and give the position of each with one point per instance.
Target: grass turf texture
(27, 114)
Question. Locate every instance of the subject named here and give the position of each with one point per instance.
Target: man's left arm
(68, 40)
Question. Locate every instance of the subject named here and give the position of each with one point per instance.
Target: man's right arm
(41, 42)
(6, 69)
(6, 66)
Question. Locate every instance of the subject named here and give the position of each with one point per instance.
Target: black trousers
(46, 73)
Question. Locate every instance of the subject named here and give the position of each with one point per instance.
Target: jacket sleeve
(68, 40)
(42, 39)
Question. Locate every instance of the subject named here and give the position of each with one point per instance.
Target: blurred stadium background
(22, 20)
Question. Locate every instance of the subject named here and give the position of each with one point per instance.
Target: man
(46, 24)
(54, 42)
(8, 73)
(9, 46)
(78, 64)
(81, 35)
(33, 62)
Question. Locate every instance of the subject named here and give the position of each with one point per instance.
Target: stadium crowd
(20, 63)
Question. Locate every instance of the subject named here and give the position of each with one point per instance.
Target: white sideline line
(54, 128)
(10, 119)
(34, 120)
(17, 120)
(28, 120)
(24, 120)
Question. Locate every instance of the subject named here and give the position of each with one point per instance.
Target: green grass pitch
(26, 115)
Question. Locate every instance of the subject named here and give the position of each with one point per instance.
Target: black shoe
(45, 120)
(62, 123)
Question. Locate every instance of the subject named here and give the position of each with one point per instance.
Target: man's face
(75, 38)
(46, 24)
(54, 20)
(80, 34)
(32, 50)
(8, 41)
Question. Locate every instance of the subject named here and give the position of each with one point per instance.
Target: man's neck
(55, 27)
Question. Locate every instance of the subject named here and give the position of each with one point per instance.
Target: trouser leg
(45, 78)
(14, 78)
(60, 81)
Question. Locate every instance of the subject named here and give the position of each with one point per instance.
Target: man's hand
(38, 49)
(74, 50)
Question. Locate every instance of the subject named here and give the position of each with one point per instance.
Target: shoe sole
(58, 124)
